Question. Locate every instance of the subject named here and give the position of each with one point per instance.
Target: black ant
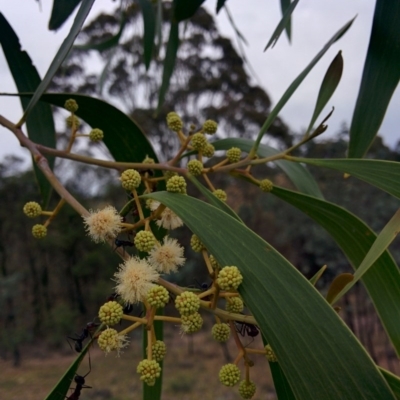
(244, 328)
(80, 384)
(86, 331)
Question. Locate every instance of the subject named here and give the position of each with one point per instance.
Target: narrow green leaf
(328, 87)
(382, 242)
(235, 28)
(59, 57)
(337, 285)
(315, 278)
(40, 124)
(106, 44)
(60, 391)
(380, 78)
(214, 200)
(282, 386)
(60, 12)
(383, 174)
(220, 4)
(169, 62)
(184, 9)
(284, 6)
(149, 22)
(393, 381)
(298, 323)
(355, 238)
(283, 24)
(296, 83)
(299, 176)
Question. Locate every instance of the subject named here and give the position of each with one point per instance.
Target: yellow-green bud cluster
(233, 154)
(39, 231)
(210, 127)
(187, 303)
(266, 185)
(229, 375)
(149, 371)
(72, 120)
(196, 244)
(148, 160)
(214, 263)
(191, 323)
(169, 174)
(130, 179)
(176, 184)
(221, 194)
(199, 141)
(229, 278)
(195, 167)
(109, 340)
(234, 305)
(157, 296)
(174, 122)
(71, 105)
(158, 350)
(32, 209)
(221, 332)
(270, 354)
(110, 313)
(247, 389)
(145, 241)
(96, 135)
(209, 150)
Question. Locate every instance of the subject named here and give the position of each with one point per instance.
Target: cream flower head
(103, 224)
(168, 257)
(134, 279)
(169, 220)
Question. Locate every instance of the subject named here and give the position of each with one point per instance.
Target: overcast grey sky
(314, 23)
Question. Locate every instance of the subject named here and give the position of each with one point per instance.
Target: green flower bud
(149, 371)
(145, 241)
(110, 313)
(233, 154)
(191, 323)
(210, 127)
(209, 150)
(229, 375)
(148, 160)
(187, 303)
(174, 122)
(195, 167)
(247, 389)
(196, 244)
(266, 185)
(96, 135)
(130, 179)
(221, 194)
(229, 278)
(176, 184)
(269, 353)
(159, 350)
(71, 105)
(157, 296)
(39, 231)
(214, 263)
(32, 209)
(169, 174)
(72, 120)
(221, 332)
(199, 141)
(234, 305)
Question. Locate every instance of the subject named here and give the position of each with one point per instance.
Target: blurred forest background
(50, 289)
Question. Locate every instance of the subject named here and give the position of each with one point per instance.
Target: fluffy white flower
(134, 279)
(103, 224)
(168, 257)
(169, 220)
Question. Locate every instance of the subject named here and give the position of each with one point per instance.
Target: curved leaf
(328, 87)
(393, 381)
(40, 124)
(284, 5)
(284, 23)
(60, 12)
(282, 387)
(319, 355)
(184, 9)
(59, 57)
(296, 83)
(299, 175)
(380, 77)
(149, 22)
(220, 4)
(383, 174)
(355, 238)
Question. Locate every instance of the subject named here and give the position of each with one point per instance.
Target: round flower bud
(214, 263)
(233, 154)
(149, 370)
(72, 120)
(158, 350)
(247, 389)
(191, 323)
(221, 332)
(187, 303)
(199, 141)
(169, 174)
(145, 241)
(229, 375)
(269, 353)
(157, 296)
(32, 209)
(174, 122)
(209, 150)
(196, 244)
(221, 194)
(210, 127)
(109, 340)
(229, 278)
(110, 313)
(176, 184)
(71, 105)
(148, 160)
(96, 135)
(39, 231)
(195, 167)
(130, 179)
(266, 185)
(234, 305)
